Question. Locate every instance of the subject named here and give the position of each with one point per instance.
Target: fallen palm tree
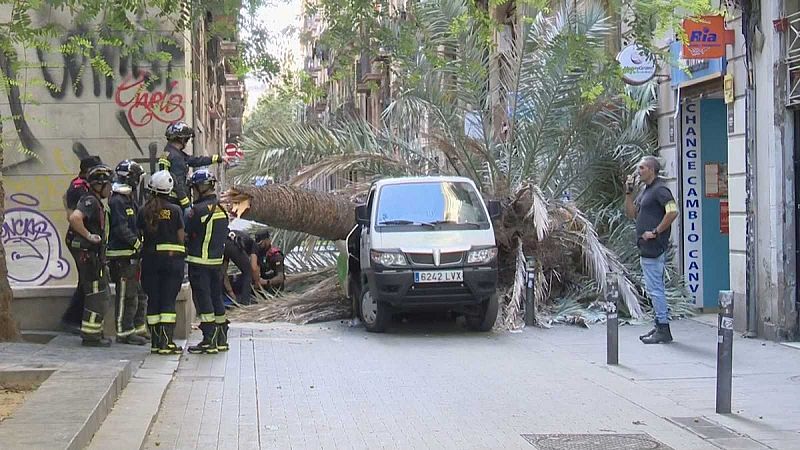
(556, 162)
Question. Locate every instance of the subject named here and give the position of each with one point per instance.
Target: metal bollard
(724, 352)
(612, 320)
(530, 307)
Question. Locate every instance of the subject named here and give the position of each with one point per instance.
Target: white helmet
(161, 182)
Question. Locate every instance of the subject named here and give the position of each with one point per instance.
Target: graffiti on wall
(32, 243)
(142, 106)
(143, 90)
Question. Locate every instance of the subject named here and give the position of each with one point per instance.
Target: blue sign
(698, 68)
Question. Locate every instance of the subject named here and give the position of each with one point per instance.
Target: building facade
(728, 132)
(64, 110)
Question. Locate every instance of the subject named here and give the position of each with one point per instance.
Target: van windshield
(440, 205)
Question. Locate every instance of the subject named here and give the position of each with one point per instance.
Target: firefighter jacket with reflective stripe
(206, 232)
(124, 241)
(178, 163)
(165, 236)
(96, 218)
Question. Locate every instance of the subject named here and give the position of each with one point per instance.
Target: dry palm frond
(322, 301)
(512, 308)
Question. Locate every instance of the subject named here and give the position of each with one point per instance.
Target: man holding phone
(654, 209)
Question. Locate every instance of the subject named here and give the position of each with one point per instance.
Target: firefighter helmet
(129, 172)
(179, 131)
(100, 174)
(161, 182)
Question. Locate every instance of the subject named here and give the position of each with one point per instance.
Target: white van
(423, 243)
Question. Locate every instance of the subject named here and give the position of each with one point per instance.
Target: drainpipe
(750, 15)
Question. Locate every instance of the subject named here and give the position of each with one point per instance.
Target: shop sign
(692, 201)
(724, 217)
(706, 37)
(637, 67)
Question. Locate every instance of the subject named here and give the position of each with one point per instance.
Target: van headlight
(388, 259)
(481, 255)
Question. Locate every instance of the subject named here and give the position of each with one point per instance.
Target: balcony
(367, 74)
(793, 61)
(229, 49)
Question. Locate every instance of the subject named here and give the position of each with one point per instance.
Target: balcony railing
(793, 61)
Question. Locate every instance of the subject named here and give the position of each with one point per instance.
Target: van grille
(426, 259)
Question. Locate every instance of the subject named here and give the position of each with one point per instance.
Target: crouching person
(206, 231)
(87, 237)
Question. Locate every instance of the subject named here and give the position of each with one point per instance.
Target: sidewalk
(79, 389)
(434, 385)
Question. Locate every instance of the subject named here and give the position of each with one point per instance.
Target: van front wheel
(484, 320)
(374, 314)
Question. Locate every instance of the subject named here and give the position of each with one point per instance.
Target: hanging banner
(707, 38)
(692, 200)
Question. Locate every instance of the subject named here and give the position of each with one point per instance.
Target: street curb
(52, 417)
(129, 422)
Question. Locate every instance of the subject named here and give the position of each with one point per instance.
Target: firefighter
(163, 252)
(78, 187)
(270, 262)
(206, 231)
(241, 249)
(87, 237)
(177, 162)
(124, 244)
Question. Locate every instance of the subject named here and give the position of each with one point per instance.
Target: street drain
(638, 441)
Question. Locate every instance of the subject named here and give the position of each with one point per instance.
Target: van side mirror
(362, 215)
(495, 209)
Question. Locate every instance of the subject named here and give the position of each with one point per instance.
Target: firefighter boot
(209, 343)
(662, 335)
(222, 337)
(155, 341)
(166, 346)
(132, 339)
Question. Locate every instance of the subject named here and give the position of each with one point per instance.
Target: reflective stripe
(141, 328)
(164, 163)
(137, 244)
(153, 319)
(129, 211)
(121, 305)
(169, 317)
(112, 253)
(205, 262)
(107, 210)
(220, 319)
(206, 318)
(125, 333)
(184, 201)
(96, 287)
(215, 158)
(204, 259)
(170, 248)
(90, 325)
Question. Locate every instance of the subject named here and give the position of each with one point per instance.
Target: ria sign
(707, 38)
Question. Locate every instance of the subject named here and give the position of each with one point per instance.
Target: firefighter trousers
(206, 284)
(130, 305)
(162, 276)
(93, 280)
(74, 313)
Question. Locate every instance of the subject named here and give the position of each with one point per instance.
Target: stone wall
(62, 111)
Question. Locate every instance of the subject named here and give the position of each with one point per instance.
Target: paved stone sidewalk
(434, 385)
(80, 387)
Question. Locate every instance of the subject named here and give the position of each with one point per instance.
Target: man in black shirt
(241, 249)
(78, 187)
(88, 236)
(654, 209)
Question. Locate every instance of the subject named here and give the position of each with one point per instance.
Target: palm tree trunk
(323, 214)
(8, 328)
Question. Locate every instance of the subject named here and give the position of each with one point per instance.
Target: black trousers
(206, 284)
(162, 275)
(130, 305)
(74, 312)
(243, 284)
(93, 281)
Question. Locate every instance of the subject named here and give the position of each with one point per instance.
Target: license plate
(439, 276)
